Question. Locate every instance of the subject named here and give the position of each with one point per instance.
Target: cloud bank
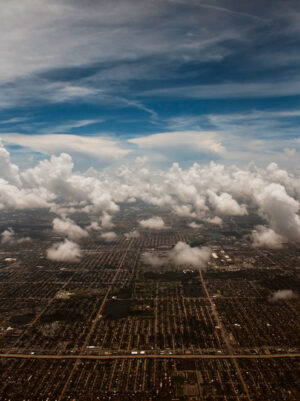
(205, 192)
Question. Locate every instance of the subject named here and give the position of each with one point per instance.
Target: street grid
(110, 326)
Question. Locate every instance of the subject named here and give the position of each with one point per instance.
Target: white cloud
(13, 197)
(8, 237)
(195, 225)
(266, 238)
(224, 204)
(154, 223)
(280, 209)
(94, 226)
(141, 159)
(200, 192)
(231, 90)
(39, 39)
(132, 234)
(199, 141)
(9, 171)
(66, 251)
(100, 147)
(214, 220)
(53, 173)
(109, 236)
(55, 178)
(150, 259)
(69, 92)
(39, 36)
(106, 222)
(67, 227)
(282, 295)
(70, 125)
(290, 152)
(183, 254)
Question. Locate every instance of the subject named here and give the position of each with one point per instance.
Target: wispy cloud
(198, 141)
(41, 41)
(69, 126)
(144, 70)
(99, 147)
(230, 90)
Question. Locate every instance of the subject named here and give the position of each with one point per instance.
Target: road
(151, 356)
(95, 321)
(225, 336)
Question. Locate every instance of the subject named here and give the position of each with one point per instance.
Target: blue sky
(177, 80)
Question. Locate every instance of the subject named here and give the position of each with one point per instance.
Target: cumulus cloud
(203, 192)
(9, 171)
(51, 174)
(154, 223)
(8, 237)
(282, 295)
(94, 226)
(55, 179)
(106, 222)
(225, 204)
(66, 251)
(263, 237)
(214, 220)
(110, 236)
(67, 227)
(132, 234)
(21, 198)
(150, 259)
(195, 225)
(281, 210)
(183, 254)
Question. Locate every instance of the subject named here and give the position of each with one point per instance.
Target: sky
(188, 105)
(111, 82)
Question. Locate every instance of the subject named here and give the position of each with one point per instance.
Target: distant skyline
(161, 81)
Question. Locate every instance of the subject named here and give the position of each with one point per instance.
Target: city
(113, 327)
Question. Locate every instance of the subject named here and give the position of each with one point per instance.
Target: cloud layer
(106, 80)
(206, 192)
